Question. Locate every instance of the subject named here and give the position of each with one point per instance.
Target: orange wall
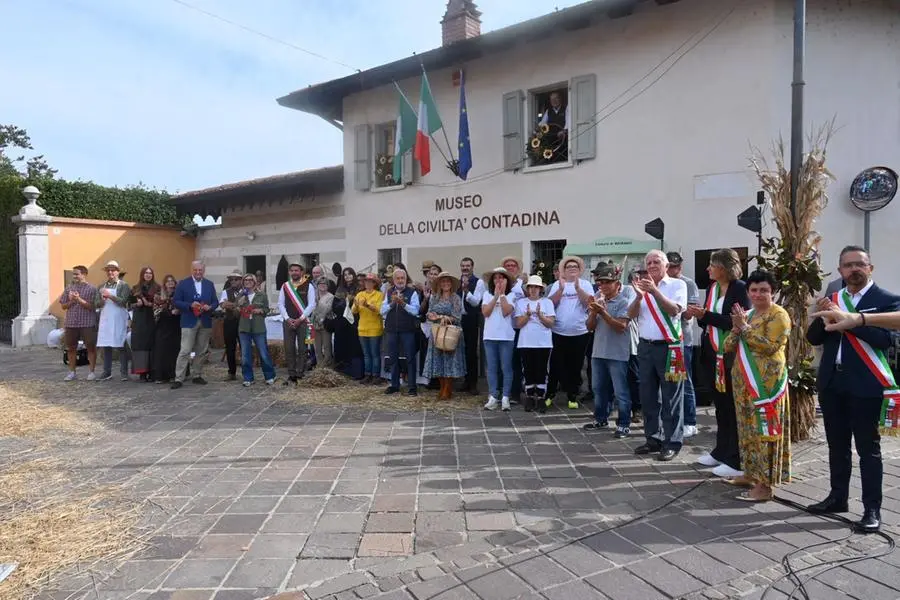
(134, 245)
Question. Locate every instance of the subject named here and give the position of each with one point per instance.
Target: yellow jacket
(370, 322)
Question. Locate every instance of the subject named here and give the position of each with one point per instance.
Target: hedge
(80, 200)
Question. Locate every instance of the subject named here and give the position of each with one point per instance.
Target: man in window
(557, 115)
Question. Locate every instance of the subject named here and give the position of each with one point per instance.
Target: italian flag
(429, 122)
(405, 136)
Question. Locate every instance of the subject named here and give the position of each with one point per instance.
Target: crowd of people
(632, 330)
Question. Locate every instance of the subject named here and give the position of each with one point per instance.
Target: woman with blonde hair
(253, 305)
(444, 308)
(725, 291)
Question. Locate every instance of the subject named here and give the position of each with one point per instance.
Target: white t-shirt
(535, 334)
(673, 289)
(497, 326)
(571, 314)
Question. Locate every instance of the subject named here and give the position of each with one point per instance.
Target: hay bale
(276, 351)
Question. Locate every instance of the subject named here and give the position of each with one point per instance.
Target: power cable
(793, 574)
(716, 23)
(261, 34)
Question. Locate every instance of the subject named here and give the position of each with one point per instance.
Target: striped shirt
(78, 315)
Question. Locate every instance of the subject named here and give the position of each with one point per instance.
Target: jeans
(406, 344)
(610, 379)
(498, 356)
(371, 347)
(259, 339)
(690, 398)
(108, 359)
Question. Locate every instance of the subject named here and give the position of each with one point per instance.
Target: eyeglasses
(855, 265)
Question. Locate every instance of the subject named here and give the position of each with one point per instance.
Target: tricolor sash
(768, 414)
(877, 363)
(671, 331)
(294, 294)
(714, 302)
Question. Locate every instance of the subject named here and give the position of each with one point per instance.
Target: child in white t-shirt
(534, 317)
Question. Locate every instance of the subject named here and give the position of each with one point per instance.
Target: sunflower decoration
(545, 129)
(384, 169)
(548, 154)
(535, 142)
(539, 268)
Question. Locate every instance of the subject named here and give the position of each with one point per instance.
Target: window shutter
(584, 103)
(362, 158)
(513, 138)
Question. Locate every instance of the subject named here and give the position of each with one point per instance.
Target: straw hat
(111, 265)
(535, 280)
(512, 258)
(568, 259)
(236, 274)
(372, 277)
(489, 279)
(436, 284)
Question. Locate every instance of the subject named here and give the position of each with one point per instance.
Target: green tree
(16, 139)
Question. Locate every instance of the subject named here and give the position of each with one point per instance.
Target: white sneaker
(505, 404)
(270, 381)
(247, 383)
(71, 376)
(689, 431)
(90, 377)
(492, 403)
(726, 472)
(708, 461)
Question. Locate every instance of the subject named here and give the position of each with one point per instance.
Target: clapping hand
(738, 317)
(501, 286)
(823, 304)
(645, 285)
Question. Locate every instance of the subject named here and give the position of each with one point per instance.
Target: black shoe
(870, 522)
(829, 505)
(473, 391)
(596, 425)
(232, 377)
(647, 448)
(412, 393)
(198, 381)
(391, 390)
(175, 385)
(667, 454)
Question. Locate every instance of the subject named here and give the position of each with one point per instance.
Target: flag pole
(450, 162)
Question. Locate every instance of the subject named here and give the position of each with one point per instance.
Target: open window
(374, 148)
(551, 125)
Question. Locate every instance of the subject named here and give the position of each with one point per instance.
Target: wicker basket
(446, 337)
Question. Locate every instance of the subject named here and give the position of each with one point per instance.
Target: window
(548, 120)
(373, 161)
(309, 261)
(389, 256)
(255, 265)
(546, 255)
(550, 125)
(701, 261)
(385, 137)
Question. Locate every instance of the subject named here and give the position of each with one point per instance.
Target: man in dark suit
(850, 394)
(196, 298)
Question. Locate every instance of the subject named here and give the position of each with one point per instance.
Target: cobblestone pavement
(254, 497)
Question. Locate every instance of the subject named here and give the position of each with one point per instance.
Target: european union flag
(465, 147)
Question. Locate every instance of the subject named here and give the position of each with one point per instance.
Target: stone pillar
(34, 322)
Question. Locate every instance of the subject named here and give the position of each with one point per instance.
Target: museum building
(652, 109)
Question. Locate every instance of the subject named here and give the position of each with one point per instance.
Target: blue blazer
(186, 294)
(876, 300)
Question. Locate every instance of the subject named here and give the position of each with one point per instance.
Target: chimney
(460, 22)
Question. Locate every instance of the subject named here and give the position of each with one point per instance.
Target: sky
(154, 92)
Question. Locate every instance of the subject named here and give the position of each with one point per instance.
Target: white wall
(678, 151)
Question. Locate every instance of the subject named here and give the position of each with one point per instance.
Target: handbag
(446, 337)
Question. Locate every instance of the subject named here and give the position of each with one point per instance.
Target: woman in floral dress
(445, 308)
(759, 337)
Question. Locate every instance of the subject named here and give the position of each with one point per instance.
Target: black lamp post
(797, 100)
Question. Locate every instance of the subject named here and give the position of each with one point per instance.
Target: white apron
(113, 326)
